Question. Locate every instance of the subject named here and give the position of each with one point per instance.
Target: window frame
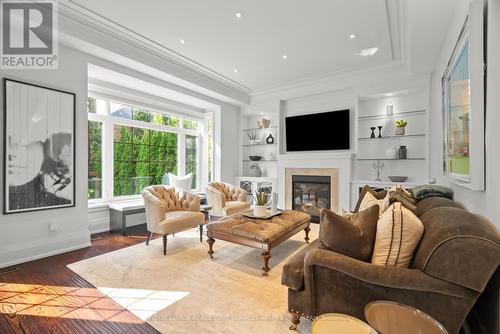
(108, 124)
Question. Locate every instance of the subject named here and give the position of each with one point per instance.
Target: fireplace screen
(310, 194)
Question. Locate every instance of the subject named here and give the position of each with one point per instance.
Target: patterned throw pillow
(367, 189)
(398, 233)
(370, 200)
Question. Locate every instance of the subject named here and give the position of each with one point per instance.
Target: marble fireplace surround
(337, 167)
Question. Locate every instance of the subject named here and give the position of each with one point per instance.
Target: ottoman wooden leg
(210, 242)
(295, 319)
(266, 256)
(307, 229)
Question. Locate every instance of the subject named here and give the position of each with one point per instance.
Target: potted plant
(252, 136)
(259, 208)
(400, 127)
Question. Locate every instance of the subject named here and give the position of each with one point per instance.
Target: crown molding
(94, 21)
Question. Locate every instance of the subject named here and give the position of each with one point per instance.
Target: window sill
(99, 205)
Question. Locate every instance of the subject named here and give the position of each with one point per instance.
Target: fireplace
(311, 193)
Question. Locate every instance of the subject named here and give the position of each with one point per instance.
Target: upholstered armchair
(226, 199)
(170, 210)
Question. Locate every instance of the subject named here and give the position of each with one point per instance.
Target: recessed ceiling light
(285, 56)
(368, 52)
(389, 94)
(235, 70)
(238, 15)
(182, 41)
(352, 36)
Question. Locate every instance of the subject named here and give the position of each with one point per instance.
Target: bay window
(131, 147)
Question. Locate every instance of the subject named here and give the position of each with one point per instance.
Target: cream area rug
(187, 292)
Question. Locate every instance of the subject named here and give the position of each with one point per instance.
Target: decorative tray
(269, 215)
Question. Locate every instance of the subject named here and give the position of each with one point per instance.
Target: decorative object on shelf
(373, 132)
(255, 157)
(255, 171)
(389, 110)
(403, 152)
(252, 136)
(259, 208)
(378, 166)
(274, 203)
(392, 153)
(263, 123)
(39, 149)
(400, 127)
(379, 131)
(398, 178)
(270, 139)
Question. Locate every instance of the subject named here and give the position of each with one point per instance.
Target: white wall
(230, 142)
(487, 202)
(26, 236)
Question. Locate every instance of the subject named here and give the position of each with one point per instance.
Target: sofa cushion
(235, 207)
(398, 233)
(353, 235)
(292, 275)
(379, 195)
(177, 220)
(435, 202)
(402, 196)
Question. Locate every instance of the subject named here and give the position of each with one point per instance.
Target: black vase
(380, 131)
(373, 132)
(270, 139)
(403, 152)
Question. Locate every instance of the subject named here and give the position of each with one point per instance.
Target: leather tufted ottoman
(258, 233)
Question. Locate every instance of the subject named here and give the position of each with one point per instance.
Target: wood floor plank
(44, 296)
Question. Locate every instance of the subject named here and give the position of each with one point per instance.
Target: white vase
(259, 210)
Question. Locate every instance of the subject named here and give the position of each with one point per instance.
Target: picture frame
(39, 147)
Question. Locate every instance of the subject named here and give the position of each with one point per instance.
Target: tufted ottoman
(258, 233)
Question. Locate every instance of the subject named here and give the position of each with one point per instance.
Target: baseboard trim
(61, 245)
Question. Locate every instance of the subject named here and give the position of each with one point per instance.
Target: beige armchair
(226, 199)
(170, 210)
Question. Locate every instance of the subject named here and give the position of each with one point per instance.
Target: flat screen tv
(318, 132)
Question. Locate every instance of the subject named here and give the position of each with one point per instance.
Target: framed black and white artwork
(39, 147)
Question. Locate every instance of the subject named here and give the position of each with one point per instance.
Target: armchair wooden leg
(295, 319)
(210, 242)
(164, 244)
(149, 238)
(307, 229)
(266, 256)
(201, 233)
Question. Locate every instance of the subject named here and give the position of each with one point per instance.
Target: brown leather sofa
(458, 254)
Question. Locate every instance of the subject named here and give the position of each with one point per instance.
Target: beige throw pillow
(398, 233)
(370, 200)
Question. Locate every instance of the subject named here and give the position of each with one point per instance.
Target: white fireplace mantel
(340, 161)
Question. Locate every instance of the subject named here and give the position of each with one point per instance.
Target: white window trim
(109, 123)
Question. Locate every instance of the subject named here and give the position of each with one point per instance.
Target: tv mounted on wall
(318, 132)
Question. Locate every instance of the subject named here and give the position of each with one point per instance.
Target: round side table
(391, 318)
(329, 323)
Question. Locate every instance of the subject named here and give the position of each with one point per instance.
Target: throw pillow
(398, 233)
(370, 200)
(181, 182)
(368, 190)
(353, 235)
(402, 196)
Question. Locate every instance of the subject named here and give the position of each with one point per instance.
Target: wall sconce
(389, 110)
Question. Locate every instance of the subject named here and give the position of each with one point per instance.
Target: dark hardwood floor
(44, 296)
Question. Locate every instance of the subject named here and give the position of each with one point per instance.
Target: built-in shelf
(247, 145)
(392, 137)
(391, 159)
(407, 113)
(261, 129)
(262, 160)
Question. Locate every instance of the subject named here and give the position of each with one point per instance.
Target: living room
(189, 166)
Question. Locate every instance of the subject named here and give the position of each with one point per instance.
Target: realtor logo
(29, 34)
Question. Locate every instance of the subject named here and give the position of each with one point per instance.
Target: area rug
(186, 292)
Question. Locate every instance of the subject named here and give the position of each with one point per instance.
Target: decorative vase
(380, 131)
(270, 139)
(259, 210)
(263, 123)
(403, 152)
(373, 132)
(400, 131)
(255, 171)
